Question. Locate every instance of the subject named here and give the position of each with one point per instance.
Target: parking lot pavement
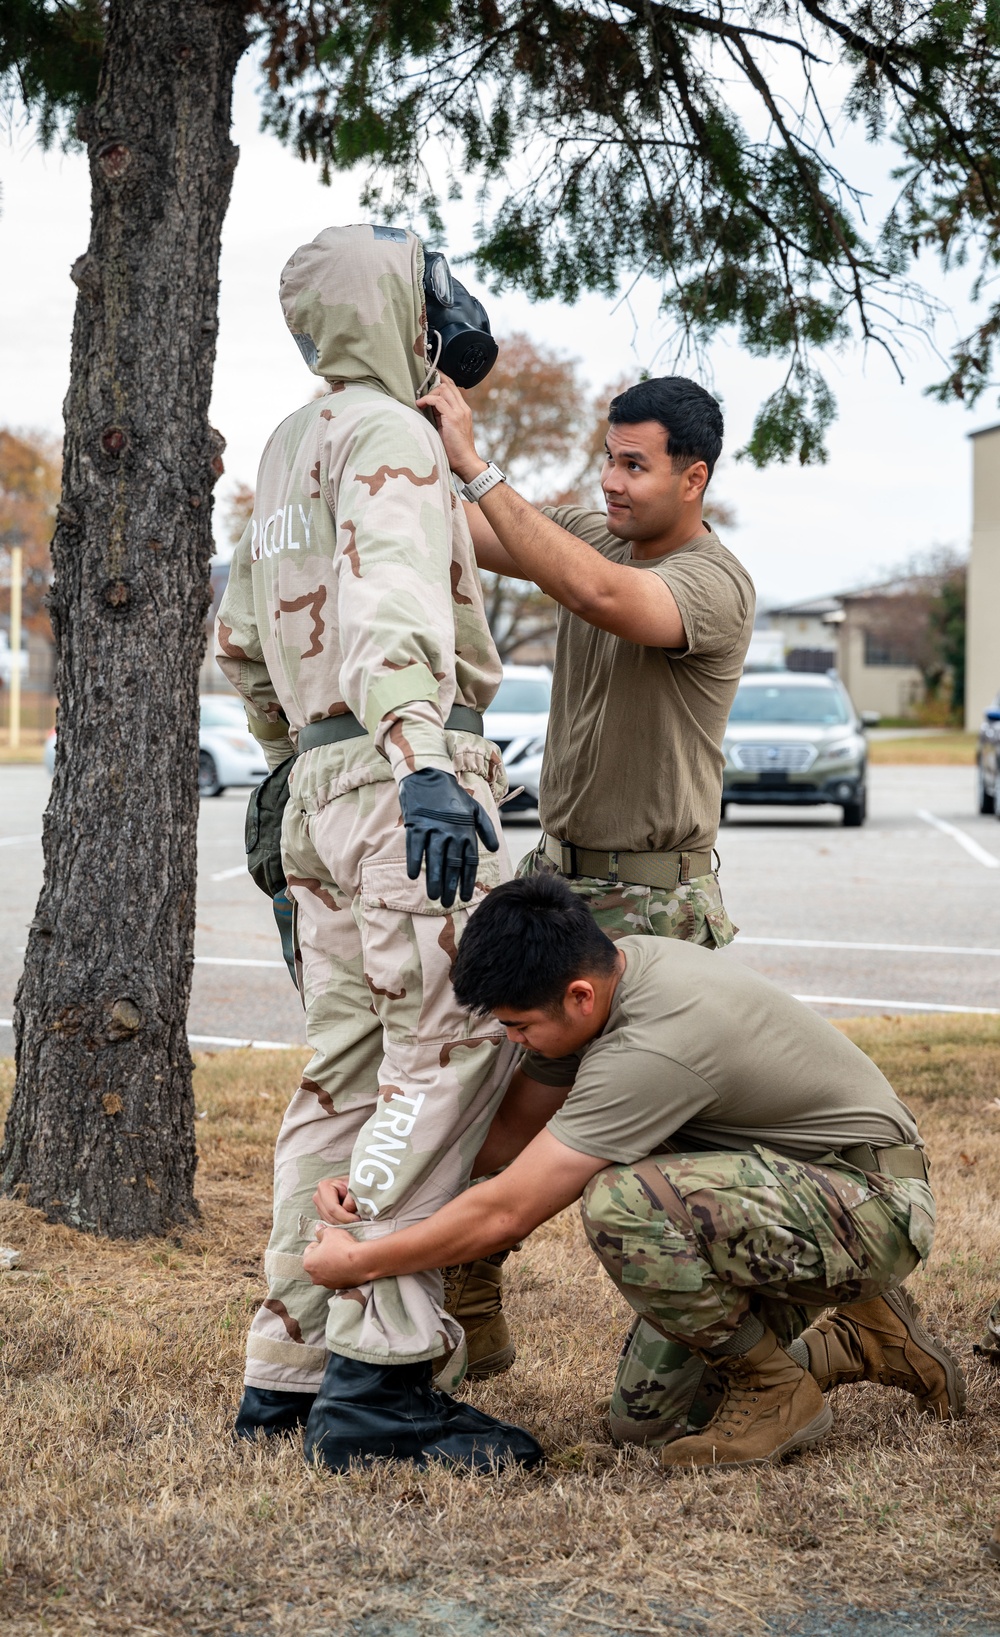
(902, 915)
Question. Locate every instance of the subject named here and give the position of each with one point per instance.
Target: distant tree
(530, 415)
(918, 619)
(947, 618)
(237, 512)
(30, 475)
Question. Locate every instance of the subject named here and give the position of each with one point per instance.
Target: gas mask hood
(456, 324)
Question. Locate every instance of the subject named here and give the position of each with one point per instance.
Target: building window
(880, 649)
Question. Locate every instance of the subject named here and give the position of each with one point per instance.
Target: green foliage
(608, 138)
(947, 619)
(50, 57)
(604, 141)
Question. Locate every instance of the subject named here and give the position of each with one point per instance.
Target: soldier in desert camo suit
(354, 604)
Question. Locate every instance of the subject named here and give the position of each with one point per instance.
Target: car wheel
(208, 776)
(723, 811)
(856, 811)
(996, 797)
(985, 798)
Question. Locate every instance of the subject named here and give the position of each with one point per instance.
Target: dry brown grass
(125, 1508)
(939, 749)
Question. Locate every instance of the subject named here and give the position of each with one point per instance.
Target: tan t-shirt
(700, 1052)
(632, 758)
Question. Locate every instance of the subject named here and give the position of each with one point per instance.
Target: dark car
(988, 760)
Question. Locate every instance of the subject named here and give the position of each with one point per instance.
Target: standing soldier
(353, 627)
(654, 625)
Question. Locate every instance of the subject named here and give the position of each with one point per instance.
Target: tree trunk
(100, 1133)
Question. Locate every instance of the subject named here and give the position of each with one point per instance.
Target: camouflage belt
(903, 1160)
(461, 719)
(663, 870)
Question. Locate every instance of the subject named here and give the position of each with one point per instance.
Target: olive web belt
(663, 870)
(332, 729)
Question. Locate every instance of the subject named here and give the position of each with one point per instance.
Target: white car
(516, 722)
(228, 753)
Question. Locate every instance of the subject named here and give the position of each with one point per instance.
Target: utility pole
(16, 571)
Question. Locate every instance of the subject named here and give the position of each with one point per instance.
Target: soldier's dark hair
(690, 416)
(525, 945)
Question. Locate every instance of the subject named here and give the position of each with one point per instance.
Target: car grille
(773, 758)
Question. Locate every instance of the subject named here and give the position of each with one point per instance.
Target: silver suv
(794, 739)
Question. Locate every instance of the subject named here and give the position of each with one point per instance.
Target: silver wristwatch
(482, 484)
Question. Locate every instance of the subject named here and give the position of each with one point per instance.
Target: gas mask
(457, 325)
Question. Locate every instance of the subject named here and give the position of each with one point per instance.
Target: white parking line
(230, 875)
(258, 1045)
(15, 841)
(224, 960)
(972, 847)
(897, 1005)
(893, 949)
(218, 1040)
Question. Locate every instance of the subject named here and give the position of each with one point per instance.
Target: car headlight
(241, 742)
(842, 751)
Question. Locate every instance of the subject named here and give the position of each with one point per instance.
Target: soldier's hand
(327, 1260)
(453, 419)
(442, 822)
(333, 1200)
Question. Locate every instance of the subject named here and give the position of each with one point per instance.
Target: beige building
(982, 651)
(853, 634)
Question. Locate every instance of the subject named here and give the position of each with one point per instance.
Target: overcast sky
(898, 478)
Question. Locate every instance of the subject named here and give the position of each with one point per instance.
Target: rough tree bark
(100, 1132)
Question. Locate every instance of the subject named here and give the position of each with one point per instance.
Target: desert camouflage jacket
(354, 587)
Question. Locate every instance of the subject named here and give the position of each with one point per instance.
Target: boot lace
(736, 1409)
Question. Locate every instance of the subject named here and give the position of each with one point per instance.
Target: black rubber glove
(441, 821)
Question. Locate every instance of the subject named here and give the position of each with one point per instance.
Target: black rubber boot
(366, 1412)
(271, 1414)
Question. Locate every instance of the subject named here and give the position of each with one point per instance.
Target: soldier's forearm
(471, 1226)
(614, 597)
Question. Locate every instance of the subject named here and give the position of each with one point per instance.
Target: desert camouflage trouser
(692, 911)
(402, 1085)
(696, 1241)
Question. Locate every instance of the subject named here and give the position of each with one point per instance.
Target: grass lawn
(939, 749)
(127, 1510)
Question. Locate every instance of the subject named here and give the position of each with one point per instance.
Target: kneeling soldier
(742, 1165)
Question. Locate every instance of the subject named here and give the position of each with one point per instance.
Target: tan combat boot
(884, 1341)
(473, 1294)
(770, 1406)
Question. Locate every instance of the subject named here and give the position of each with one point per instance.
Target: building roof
(817, 607)
(821, 607)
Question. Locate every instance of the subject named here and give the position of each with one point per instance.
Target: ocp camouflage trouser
(696, 1241)
(402, 1085)
(692, 911)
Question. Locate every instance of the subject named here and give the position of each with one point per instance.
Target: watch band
(482, 484)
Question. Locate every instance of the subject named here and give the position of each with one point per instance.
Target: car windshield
(523, 695)
(789, 702)
(223, 712)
